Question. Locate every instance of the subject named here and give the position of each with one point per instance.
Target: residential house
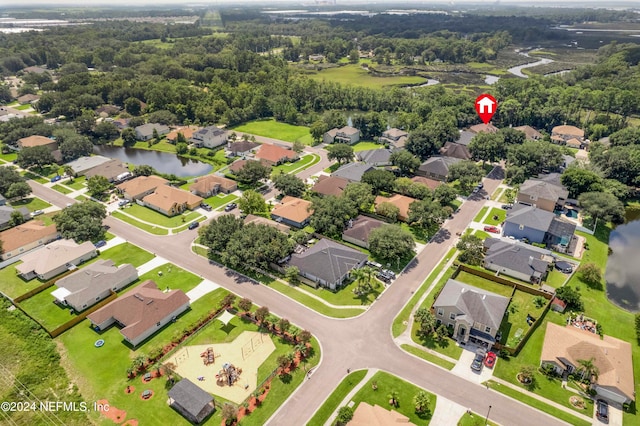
(107, 110)
(465, 137)
(121, 123)
(3, 201)
(517, 260)
(393, 137)
(141, 186)
(327, 263)
(37, 140)
(141, 312)
(358, 230)
(292, 211)
(375, 157)
(352, 171)
(375, 415)
(82, 165)
(329, 185)
(574, 143)
(561, 134)
(34, 69)
(539, 226)
(113, 170)
(272, 155)
(186, 131)
(346, 134)
(237, 165)
(25, 237)
(558, 305)
(565, 346)
(28, 99)
(242, 148)
(436, 167)
(209, 185)
(145, 131)
(6, 212)
(455, 150)
(171, 201)
(530, 133)
(329, 136)
(89, 285)
(483, 128)
(190, 401)
(473, 314)
(429, 183)
(316, 57)
(402, 202)
(209, 137)
(542, 194)
(55, 258)
(259, 220)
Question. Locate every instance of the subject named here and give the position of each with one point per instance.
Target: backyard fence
(40, 288)
(81, 316)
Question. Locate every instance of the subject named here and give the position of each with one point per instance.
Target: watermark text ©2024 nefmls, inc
(52, 406)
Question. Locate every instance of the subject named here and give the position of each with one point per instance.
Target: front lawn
(364, 146)
(77, 183)
(61, 189)
(482, 235)
(172, 277)
(345, 295)
(13, 285)
(219, 200)
(474, 419)
(9, 157)
(303, 163)
(332, 403)
(145, 227)
(271, 128)
(427, 356)
(31, 203)
(127, 253)
(387, 383)
(496, 216)
(480, 214)
(152, 216)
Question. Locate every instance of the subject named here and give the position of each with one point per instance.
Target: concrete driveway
(463, 367)
(615, 415)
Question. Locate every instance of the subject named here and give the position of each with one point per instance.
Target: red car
(493, 229)
(490, 360)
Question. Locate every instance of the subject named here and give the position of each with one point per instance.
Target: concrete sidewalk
(151, 265)
(447, 412)
(201, 289)
(350, 395)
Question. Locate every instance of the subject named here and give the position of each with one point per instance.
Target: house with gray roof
(455, 150)
(394, 137)
(474, 314)
(436, 167)
(358, 230)
(539, 226)
(6, 212)
(145, 132)
(3, 201)
(348, 135)
(352, 171)
(517, 260)
(465, 137)
(241, 148)
(209, 137)
(87, 286)
(190, 401)
(543, 193)
(375, 157)
(83, 164)
(327, 263)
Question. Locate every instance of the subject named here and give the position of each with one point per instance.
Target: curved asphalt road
(362, 342)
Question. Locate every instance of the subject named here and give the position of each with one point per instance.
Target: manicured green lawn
(42, 308)
(273, 129)
(484, 284)
(499, 214)
(12, 285)
(220, 200)
(149, 228)
(428, 356)
(77, 184)
(398, 326)
(496, 194)
(61, 189)
(312, 303)
(151, 216)
(303, 163)
(127, 253)
(480, 214)
(332, 168)
(345, 295)
(556, 278)
(81, 197)
(482, 235)
(333, 401)
(10, 157)
(364, 146)
(387, 383)
(515, 320)
(31, 203)
(354, 74)
(172, 277)
(474, 419)
(33, 176)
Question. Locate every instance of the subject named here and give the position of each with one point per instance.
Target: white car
(37, 213)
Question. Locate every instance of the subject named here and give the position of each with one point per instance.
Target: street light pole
(486, 419)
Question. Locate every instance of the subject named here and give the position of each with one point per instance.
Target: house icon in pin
(486, 105)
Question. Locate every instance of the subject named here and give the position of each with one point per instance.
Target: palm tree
(359, 276)
(589, 368)
(393, 397)
(68, 170)
(421, 400)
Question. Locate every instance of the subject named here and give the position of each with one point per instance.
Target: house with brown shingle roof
(394, 137)
(187, 132)
(55, 258)
(272, 155)
(241, 148)
(209, 185)
(28, 99)
(237, 165)
(531, 133)
(330, 185)
(483, 128)
(358, 230)
(141, 312)
(567, 132)
(400, 201)
(564, 347)
(25, 237)
(37, 140)
(171, 201)
(292, 211)
(429, 183)
(113, 170)
(259, 220)
(455, 150)
(374, 415)
(141, 186)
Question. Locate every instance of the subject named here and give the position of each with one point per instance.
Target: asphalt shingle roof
(190, 397)
(352, 171)
(530, 216)
(328, 260)
(515, 257)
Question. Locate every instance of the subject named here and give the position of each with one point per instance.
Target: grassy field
(387, 383)
(331, 404)
(273, 129)
(345, 295)
(364, 146)
(43, 309)
(148, 215)
(77, 183)
(303, 163)
(31, 203)
(434, 359)
(514, 324)
(62, 189)
(172, 277)
(10, 157)
(13, 285)
(356, 75)
(149, 228)
(484, 284)
(480, 214)
(127, 253)
(499, 215)
(556, 278)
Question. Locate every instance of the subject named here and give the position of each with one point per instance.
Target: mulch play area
(114, 414)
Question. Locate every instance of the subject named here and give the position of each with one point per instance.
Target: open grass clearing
(495, 216)
(303, 163)
(331, 404)
(31, 203)
(172, 277)
(271, 128)
(149, 228)
(355, 74)
(13, 285)
(151, 216)
(127, 253)
(434, 359)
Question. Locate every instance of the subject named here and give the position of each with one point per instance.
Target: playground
(229, 370)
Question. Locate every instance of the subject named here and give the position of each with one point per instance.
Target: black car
(565, 267)
(507, 206)
(194, 225)
(230, 207)
(478, 359)
(206, 206)
(602, 411)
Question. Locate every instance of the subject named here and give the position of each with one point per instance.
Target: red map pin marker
(486, 106)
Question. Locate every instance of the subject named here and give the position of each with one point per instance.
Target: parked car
(475, 190)
(374, 264)
(507, 206)
(206, 206)
(56, 178)
(389, 274)
(100, 243)
(477, 360)
(122, 203)
(493, 229)
(490, 360)
(481, 185)
(194, 225)
(602, 411)
(565, 267)
(230, 207)
(37, 213)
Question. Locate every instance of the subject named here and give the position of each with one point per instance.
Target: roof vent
(137, 296)
(150, 302)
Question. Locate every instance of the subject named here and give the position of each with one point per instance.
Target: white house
(209, 137)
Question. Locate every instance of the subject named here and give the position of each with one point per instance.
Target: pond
(164, 162)
(623, 268)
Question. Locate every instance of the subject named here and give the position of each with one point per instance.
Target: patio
(583, 323)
